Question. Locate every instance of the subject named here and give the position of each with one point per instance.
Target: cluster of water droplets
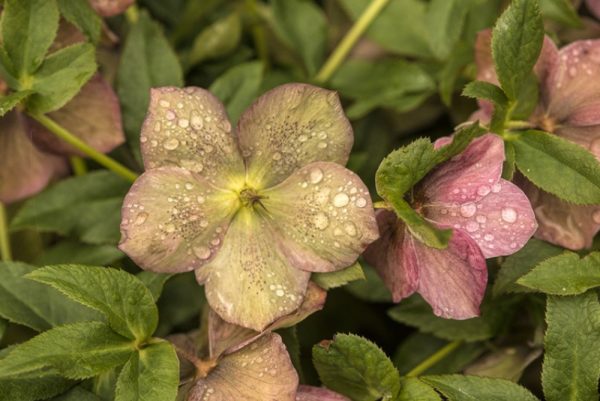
(583, 58)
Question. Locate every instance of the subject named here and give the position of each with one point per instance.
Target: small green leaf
(558, 166)
(354, 366)
(572, 357)
(217, 40)
(509, 166)
(516, 44)
(565, 274)
(562, 11)
(414, 389)
(74, 351)
(152, 374)
(28, 30)
(83, 16)
(32, 388)
(471, 388)
(339, 278)
(460, 57)
(372, 289)
(154, 282)
(78, 394)
(487, 91)
(9, 102)
(122, 298)
(447, 18)
(68, 251)
(421, 228)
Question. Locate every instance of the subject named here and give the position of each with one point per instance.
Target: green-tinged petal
(289, 127)
(250, 281)
(325, 216)
(189, 128)
(261, 371)
(173, 220)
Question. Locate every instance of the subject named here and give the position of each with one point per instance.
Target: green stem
(341, 52)
(434, 359)
(78, 165)
(92, 153)
(4, 235)
(132, 14)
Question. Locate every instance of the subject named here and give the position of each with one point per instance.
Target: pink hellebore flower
(594, 6)
(309, 393)
(570, 108)
(253, 211)
(489, 217)
(109, 8)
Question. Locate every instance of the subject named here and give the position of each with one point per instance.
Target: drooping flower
(255, 211)
(489, 217)
(569, 107)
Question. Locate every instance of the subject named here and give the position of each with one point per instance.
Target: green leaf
(354, 366)
(74, 351)
(565, 274)
(154, 282)
(421, 228)
(487, 91)
(122, 298)
(238, 87)
(36, 305)
(147, 61)
(78, 394)
(508, 167)
(372, 289)
(572, 357)
(9, 102)
(83, 16)
(28, 30)
(152, 374)
(516, 44)
(3, 326)
(302, 26)
(87, 207)
(24, 388)
(460, 57)
(520, 263)
(558, 166)
(217, 40)
(473, 388)
(79, 253)
(414, 389)
(447, 18)
(339, 278)
(562, 11)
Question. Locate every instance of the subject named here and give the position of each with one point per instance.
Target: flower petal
(451, 280)
(310, 393)
(588, 137)
(189, 128)
(93, 115)
(325, 216)
(396, 267)
(289, 127)
(174, 220)
(594, 7)
(501, 222)
(468, 176)
(108, 8)
(250, 281)
(562, 223)
(261, 371)
(24, 169)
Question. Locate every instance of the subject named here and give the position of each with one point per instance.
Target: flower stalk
(4, 235)
(434, 359)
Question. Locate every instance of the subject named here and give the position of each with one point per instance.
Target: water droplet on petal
(488, 237)
(361, 202)
(341, 200)
(141, 218)
(197, 122)
(200, 199)
(483, 190)
(316, 175)
(279, 293)
(183, 123)
(170, 115)
(595, 147)
(321, 221)
(472, 226)
(322, 145)
(509, 215)
(596, 216)
(189, 186)
(350, 229)
(202, 252)
(164, 103)
(169, 228)
(302, 138)
(481, 219)
(203, 223)
(468, 209)
(496, 187)
(171, 144)
(276, 156)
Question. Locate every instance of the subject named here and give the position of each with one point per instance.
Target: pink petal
(108, 8)
(501, 222)
(483, 57)
(594, 7)
(310, 393)
(588, 137)
(24, 170)
(289, 127)
(93, 115)
(395, 266)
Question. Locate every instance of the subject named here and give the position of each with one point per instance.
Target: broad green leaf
(181, 301)
(32, 388)
(558, 166)
(79, 253)
(473, 388)
(562, 11)
(421, 228)
(28, 30)
(3, 326)
(60, 77)
(77, 394)
(147, 61)
(238, 87)
(487, 91)
(354, 366)
(122, 298)
(154, 282)
(572, 356)
(302, 26)
(371, 289)
(36, 305)
(83, 16)
(460, 57)
(516, 44)
(9, 102)
(565, 274)
(518, 264)
(446, 19)
(217, 40)
(74, 351)
(414, 389)
(87, 207)
(337, 279)
(152, 374)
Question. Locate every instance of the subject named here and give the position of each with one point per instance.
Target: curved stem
(343, 48)
(132, 13)
(433, 359)
(78, 165)
(4, 235)
(92, 153)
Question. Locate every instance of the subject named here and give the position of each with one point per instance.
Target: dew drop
(322, 145)
(595, 147)
(321, 221)
(183, 123)
(483, 190)
(350, 229)
(341, 200)
(202, 252)
(276, 156)
(322, 135)
(481, 219)
(509, 215)
(189, 186)
(143, 139)
(164, 103)
(488, 237)
(279, 293)
(171, 144)
(316, 175)
(141, 218)
(496, 188)
(200, 199)
(468, 209)
(361, 202)
(472, 226)
(197, 122)
(170, 115)
(302, 138)
(169, 228)
(596, 216)
(203, 223)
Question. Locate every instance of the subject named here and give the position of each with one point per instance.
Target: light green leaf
(28, 30)
(154, 282)
(217, 40)
(414, 389)
(339, 278)
(36, 305)
(152, 374)
(562, 11)
(460, 56)
(472, 388)
(79, 253)
(558, 166)
(25, 388)
(82, 15)
(238, 87)
(9, 102)
(572, 356)
(302, 26)
(487, 91)
(147, 61)
(354, 366)
(77, 394)
(516, 44)
(122, 298)
(446, 18)
(74, 351)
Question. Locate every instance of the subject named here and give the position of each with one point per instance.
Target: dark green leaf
(217, 40)
(83, 16)
(487, 91)
(32, 388)
(472, 388)
(562, 11)
(446, 19)
(339, 278)
(459, 58)
(77, 394)
(154, 282)
(79, 253)
(9, 102)
(508, 167)
(372, 289)
(414, 389)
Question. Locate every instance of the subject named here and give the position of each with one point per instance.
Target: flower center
(249, 197)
